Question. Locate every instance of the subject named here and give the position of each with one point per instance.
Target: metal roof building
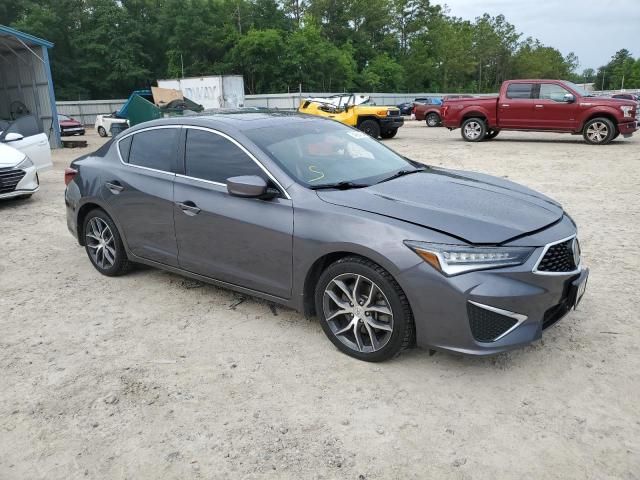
(25, 80)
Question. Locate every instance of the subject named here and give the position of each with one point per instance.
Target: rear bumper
(391, 123)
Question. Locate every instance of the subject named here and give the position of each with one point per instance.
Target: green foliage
(106, 48)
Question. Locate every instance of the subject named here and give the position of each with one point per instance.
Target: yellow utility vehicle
(376, 121)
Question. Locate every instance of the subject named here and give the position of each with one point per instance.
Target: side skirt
(219, 283)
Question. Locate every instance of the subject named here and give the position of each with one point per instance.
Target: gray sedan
(309, 213)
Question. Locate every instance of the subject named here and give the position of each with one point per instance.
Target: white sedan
(23, 153)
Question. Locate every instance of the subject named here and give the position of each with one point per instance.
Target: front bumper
(28, 184)
(391, 123)
(445, 308)
(627, 129)
(72, 131)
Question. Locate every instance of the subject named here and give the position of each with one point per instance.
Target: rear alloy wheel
(102, 132)
(389, 133)
(363, 310)
(491, 134)
(599, 131)
(433, 119)
(371, 128)
(473, 129)
(103, 244)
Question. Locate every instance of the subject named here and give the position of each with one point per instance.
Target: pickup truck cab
(541, 106)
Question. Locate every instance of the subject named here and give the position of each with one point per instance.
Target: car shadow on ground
(543, 140)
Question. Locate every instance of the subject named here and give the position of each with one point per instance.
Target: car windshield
(323, 153)
(578, 89)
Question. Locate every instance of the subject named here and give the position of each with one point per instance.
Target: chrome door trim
(241, 147)
(157, 127)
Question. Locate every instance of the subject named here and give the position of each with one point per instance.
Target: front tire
(599, 131)
(363, 310)
(473, 129)
(102, 132)
(371, 128)
(103, 244)
(433, 119)
(389, 133)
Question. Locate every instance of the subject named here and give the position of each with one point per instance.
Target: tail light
(69, 175)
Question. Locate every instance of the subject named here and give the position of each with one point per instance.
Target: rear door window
(212, 157)
(520, 90)
(156, 149)
(124, 146)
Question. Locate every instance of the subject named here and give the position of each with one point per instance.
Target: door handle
(505, 105)
(114, 187)
(539, 106)
(188, 207)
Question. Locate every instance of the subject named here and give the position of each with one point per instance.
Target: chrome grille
(9, 178)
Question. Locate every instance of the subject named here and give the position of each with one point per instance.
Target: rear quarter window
(124, 146)
(520, 90)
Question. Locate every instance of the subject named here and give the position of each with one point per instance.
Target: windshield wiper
(344, 185)
(402, 173)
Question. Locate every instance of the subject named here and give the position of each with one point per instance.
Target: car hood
(473, 207)
(9, 156)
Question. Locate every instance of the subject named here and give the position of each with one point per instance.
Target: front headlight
(456, 259)
(26, 163)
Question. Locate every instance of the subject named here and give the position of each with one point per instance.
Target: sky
(593, 29)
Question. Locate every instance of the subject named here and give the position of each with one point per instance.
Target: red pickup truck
(541, 106)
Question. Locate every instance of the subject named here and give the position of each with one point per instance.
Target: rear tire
(103, 244)
(389, 133)
(102, 132)
(473, 129)
(370, 127)
(599, 131)
(433, 119)
(364, 331)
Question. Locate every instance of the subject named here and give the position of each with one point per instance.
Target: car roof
(239, 120)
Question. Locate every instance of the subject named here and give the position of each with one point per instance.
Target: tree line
(106, 48)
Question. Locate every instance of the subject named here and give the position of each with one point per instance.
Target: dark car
(318, 216)
(69, 126)
(627, 96)
(405, 108)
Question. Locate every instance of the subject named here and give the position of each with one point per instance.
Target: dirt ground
(153, 376)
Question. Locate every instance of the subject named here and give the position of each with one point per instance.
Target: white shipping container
(219, 91)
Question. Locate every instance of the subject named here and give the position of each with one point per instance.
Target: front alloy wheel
(358, 313)
(599, 131)
(363, 310)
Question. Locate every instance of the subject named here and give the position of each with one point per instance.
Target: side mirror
(12, 137)
(569, 98)
(248, 186)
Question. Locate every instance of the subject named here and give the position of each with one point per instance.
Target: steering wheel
(18, 109)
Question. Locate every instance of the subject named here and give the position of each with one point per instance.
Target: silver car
(309, 213)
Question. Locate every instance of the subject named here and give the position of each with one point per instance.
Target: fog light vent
(486, 325)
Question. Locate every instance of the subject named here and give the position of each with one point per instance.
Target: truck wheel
(389, 133)
(102, 132)
(491, 134)
(433, 120)
(371, 128)
(599, 131)
(473, 129)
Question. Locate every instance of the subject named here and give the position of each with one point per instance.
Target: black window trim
(158, 127)
(241, 147)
